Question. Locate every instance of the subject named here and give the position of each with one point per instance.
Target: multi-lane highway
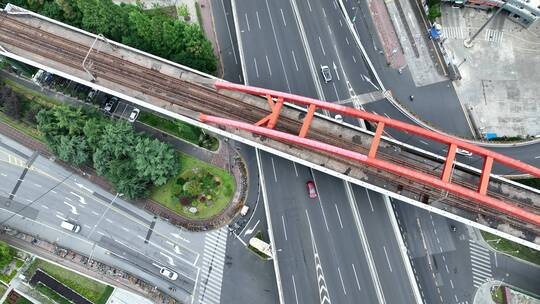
(37, 195)
(320, 243)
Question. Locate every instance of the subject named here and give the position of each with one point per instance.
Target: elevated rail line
(372, 159)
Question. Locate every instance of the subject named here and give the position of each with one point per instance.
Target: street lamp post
(99, 221)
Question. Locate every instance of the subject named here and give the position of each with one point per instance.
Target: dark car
(312, 192)
(110, 104)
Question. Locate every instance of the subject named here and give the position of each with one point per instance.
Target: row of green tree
(132, 162)
(148, 30)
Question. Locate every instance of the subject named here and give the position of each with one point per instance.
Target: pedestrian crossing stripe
(213, 262)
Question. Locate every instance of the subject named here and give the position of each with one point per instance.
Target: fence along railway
(182, 93)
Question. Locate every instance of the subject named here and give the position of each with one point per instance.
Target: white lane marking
(451, 283)
(341, 278)
(176, 235)
(335, 90)
(354, 59)
(324, 295)
(256, 68)
(230, 35)
(347, 40)
(82, 187)
(108, 221)
(340, 24)
(324, 12)
(268, 63)
(95, 213)
(425, 143)
(61, 217)
(537, 157)
(369, 199)
(387, 259)
(175, 247)
(43, 206)
(87, 226)
(386, 115)
(274, 168)
(284, 229)
(294, 59)
(322, 47)
(258, 21)
(247, 22)
(81, 199)
(38, 185)
(294, 286)
(169, 259)
(250, 231)
(309, 5)
(295, 171)
(447, 270)
(99, 232)
(335, 5)
(28, 200)
(277, 45)
(125, 229)
(73, 209)
(356, 277)
(339, 216)
(283, 17)
(68, 199)
(4, 175)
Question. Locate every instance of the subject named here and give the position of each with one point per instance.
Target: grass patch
(22, 127)
(497, 295)
(30, 94)
(51, 294)
(92, 290)
(514, 249)
(180, 129)
(169, 11)
(168, 194)
(3, 290)
(7, 278)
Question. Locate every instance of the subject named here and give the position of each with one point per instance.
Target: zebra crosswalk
(211, 275)
(452, 32)
(494, 36)
(481, 263)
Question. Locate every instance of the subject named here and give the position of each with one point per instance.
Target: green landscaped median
(198, 186)
(93, 290)
(187, 132)
(511, 248)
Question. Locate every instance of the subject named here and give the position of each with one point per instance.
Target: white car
(134, 114)
(463, 152)
(171, 275)
(325, 71)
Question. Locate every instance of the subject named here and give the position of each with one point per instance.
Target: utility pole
(468, 43)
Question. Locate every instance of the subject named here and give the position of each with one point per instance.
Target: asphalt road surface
(451, 265)
(37, 196)
(320, 251)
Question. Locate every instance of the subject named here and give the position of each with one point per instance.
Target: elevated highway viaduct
(498, 205)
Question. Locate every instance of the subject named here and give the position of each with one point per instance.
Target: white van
(244, 211)
(70, 226)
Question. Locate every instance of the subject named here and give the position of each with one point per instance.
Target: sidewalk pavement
(387, 34)
(419, 51)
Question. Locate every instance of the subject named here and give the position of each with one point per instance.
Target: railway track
(199, 98)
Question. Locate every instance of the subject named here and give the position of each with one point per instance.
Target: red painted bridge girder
(265, 127)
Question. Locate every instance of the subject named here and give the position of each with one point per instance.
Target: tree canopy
(158, 34)
(130, 161)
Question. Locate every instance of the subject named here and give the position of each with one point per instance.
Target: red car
(311, 189)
